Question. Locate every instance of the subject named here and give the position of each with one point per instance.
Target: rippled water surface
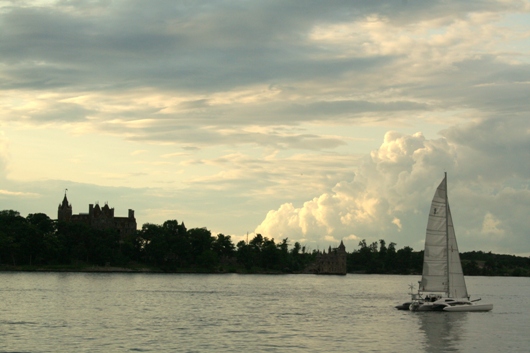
(76, 312)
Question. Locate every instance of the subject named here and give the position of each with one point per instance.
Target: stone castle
(331, 263)
(98, 218)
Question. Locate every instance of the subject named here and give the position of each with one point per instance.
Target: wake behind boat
(442, 274)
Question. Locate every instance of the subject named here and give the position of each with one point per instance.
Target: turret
(64, 212)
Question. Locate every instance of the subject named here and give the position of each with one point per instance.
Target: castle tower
(64, 212)
(97, 217)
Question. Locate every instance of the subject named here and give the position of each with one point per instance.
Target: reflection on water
(442, 331)
(50, 312)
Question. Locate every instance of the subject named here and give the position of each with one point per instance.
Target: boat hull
(426, 307)
(404, 306)
(449, 304)
(473, 307)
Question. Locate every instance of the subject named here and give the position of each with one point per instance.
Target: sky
(316, 121)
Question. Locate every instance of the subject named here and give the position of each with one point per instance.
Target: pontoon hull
(472, 307)
(404, 306)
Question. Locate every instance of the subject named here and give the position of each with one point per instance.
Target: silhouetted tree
(245, 255)
(12, 226)
(201, 241)
(223, 246)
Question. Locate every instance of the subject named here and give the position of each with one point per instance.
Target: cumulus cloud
(388, 182)
(389, 196)
(491, 225)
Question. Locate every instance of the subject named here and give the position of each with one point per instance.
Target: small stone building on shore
(331, 263)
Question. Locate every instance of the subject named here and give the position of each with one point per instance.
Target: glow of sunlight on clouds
(362, 203)
(397, 222)
(491, 225)
(18, 194)
(351, 237)
(452, 41)
(175, 155)
(250, 95)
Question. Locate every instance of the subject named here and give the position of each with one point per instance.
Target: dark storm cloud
(494, 148)
(61, 112)
(207, 47)
(195, 45)
(485, 83)
(340, 108)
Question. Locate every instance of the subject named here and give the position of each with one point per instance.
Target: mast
(447, 236)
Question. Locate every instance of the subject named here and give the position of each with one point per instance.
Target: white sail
(457, 283)
(442, 270)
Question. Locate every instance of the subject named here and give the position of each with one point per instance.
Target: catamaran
(442, 275)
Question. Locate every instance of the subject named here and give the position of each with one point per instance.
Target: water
(77, 312)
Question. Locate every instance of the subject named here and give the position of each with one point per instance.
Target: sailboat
(442, 275)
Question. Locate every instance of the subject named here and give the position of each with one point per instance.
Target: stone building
(331, 263)
(98, 217)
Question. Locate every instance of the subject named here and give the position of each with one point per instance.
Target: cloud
(138, 152)
(494, 147)
(18, 194)
(390, 193)
(229, 109)
(3, 155)
(388, 182)
(204, 74)
(491, 225)
(397, 222)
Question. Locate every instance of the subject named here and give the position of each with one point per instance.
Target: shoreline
(118, 269)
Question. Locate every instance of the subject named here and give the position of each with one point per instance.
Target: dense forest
(38, 242)
(382, 259)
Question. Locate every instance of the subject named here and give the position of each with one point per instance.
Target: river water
(113, 312)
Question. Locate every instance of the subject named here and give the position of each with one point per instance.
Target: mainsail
(442, 270)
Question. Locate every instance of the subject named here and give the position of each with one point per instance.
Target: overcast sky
(314, 121)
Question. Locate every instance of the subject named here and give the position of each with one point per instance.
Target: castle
(98, 218)
(331, 263)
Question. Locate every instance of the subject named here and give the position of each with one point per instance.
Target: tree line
(378, 258)
(36, 241)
